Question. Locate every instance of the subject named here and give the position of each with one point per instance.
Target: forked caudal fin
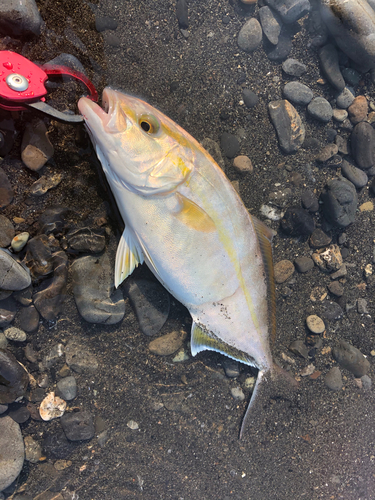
(278, 378)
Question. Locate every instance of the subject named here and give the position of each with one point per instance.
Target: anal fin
(129, 255)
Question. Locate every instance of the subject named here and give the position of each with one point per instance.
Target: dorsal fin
(265, 235)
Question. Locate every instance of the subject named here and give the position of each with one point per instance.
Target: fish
(184, 219)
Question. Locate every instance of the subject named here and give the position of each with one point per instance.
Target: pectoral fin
(128, 257)
(193, 216)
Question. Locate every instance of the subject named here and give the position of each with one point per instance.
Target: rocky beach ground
(99, 395)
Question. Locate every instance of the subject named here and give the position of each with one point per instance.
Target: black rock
(6, 191)
(20, 18)
(290, 10)
(13, 378)
(363, 145)
(8, 311)
(39, 256)
(182, 14)
(86, 240)
(332, 311)
(229, 144)
(151, 303)
(19, 414)
(52, 219)
(297, 221)
(78, 426)
(329, 61)
(355, 175)
(293, 67)
(29, 319)
(372, 186)
(271, 24)
(340, 202)
(351, 358)
(280, 51)
(320, 109)
(288, 124)
(303, 264)
(105, 23)
(298, 93)
(250, 98)
(319, 239)
(310, 201)
(50, 299)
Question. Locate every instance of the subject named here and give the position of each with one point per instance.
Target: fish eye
(149, 124)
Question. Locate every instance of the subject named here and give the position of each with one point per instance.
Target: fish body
(184, 219)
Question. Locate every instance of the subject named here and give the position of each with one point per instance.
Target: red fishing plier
(22, 86)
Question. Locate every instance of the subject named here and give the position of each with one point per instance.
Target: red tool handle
(53, 69)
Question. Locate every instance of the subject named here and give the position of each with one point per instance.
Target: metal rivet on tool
(17, 82)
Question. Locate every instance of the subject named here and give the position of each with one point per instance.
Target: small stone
(353, 174)
(36, 148)
(362, 306)
(336, 288)
(351, 76)
(363, 145)
(293, 67)
(329, 259)
(167, 344)
(315, 324)
(46, 183)
(332, 311)
(320, 109)
(6, 231)
(340, 273)
(288, 124)
(12, 457)
(229, 144)
(297, 221)
(351, 359)
(358, 109)
(344, 99)
(67, 388)
(368, 206)
(340, 115)
(250, 35)
(250, 98)
(103, 23)
(20, 414)
(308, 370)
(290, 10)
(242, 165)
(298, 93)
(29, 319)
(78, 426)
(327, 152)
(86, 239)
(271, 24)
(133, 425)
(15, 334)
(283, 270)
(19, 241)
(366, 383)
(33, 450)
(7, 311)
(181, 356)
(231, 368)
(52, 407)
(303, 264)
(319, 239)
(279, 52)
(237, 393)
(329, 61)
(310, 201)
(339, 202)
(182, 14)
(6, 190)
(298, 347)
(333, 379)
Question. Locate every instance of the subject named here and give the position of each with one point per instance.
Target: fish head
(139, 147)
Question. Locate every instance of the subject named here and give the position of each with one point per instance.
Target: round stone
(19, 241)
(315, 324)
(333, 379)
(6, 231)
(298, 93)
(293, 67)
(320, 109)
(283, 270)
(67, 388)
(15, 334)
(242, 164)
(250, 35)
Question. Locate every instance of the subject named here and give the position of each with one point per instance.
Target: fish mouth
(92, 111)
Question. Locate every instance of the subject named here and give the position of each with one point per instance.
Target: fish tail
(278, 379)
